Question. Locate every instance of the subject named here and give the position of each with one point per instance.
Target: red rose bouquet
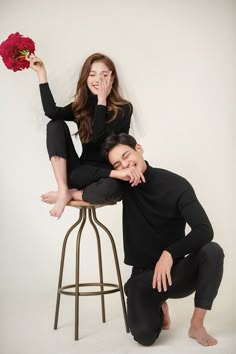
(14, 50)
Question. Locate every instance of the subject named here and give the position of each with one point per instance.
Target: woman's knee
(113, 189)
(103, 191)
(56, 125)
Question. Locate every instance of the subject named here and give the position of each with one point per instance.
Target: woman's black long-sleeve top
(91, 151)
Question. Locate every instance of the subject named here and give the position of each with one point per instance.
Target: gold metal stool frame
(90, 209)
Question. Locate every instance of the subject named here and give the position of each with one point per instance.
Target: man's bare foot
(166, 320)
(63, 197)
(201, 335)
(49, 197)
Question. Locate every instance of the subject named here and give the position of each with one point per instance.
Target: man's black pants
(200, 272)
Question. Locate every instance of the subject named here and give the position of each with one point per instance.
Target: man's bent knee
(212, 250)
(145, 336)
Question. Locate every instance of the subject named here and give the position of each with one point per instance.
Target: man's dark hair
(115, 139)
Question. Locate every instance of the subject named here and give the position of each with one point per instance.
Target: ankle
(63, 189)
(196, 323)
(198, 317)
(164, 306)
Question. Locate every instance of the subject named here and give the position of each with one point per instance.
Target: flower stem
(24, 52)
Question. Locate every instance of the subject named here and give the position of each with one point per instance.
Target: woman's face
(98, 69)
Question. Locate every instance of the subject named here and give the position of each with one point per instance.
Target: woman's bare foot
(76, 194)
(201, 335)
(166, 320)
(63, 197)
(49, 197)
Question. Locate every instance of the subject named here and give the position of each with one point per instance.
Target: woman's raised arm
(50, 108)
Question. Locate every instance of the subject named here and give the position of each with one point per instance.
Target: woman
(98, 110)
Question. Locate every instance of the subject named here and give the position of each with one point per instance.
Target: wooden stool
(90, 209)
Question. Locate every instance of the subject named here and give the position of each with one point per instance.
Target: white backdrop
(176, 62)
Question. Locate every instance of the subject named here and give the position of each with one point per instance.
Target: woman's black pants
(93, 180)
(200, 272)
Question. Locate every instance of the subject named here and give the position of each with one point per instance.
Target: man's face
(123, 156)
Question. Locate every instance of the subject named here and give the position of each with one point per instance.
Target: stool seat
(90, 209)
(81, 204)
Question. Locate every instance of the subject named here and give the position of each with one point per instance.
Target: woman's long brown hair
(82, 108)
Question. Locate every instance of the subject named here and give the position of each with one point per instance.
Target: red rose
(14, 49)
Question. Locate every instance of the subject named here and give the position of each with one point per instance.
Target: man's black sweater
(155, 214)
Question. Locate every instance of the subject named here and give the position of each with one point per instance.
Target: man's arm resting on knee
(196, 217)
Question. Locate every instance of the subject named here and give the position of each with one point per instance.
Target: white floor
(27, 328)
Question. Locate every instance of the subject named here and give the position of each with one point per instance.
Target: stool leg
(77, 274)
(100, 265)
(117, 267)
(62, 268)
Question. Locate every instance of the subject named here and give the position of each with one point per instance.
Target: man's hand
(162, 272)
(131, 174)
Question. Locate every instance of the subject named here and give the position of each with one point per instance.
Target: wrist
(102, 101)
(167, 253)
(113, 174)
(117, 174)
(42, 76)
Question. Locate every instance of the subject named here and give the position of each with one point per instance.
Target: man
(157, 204)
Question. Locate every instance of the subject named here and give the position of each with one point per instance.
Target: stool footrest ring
(63, 291)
